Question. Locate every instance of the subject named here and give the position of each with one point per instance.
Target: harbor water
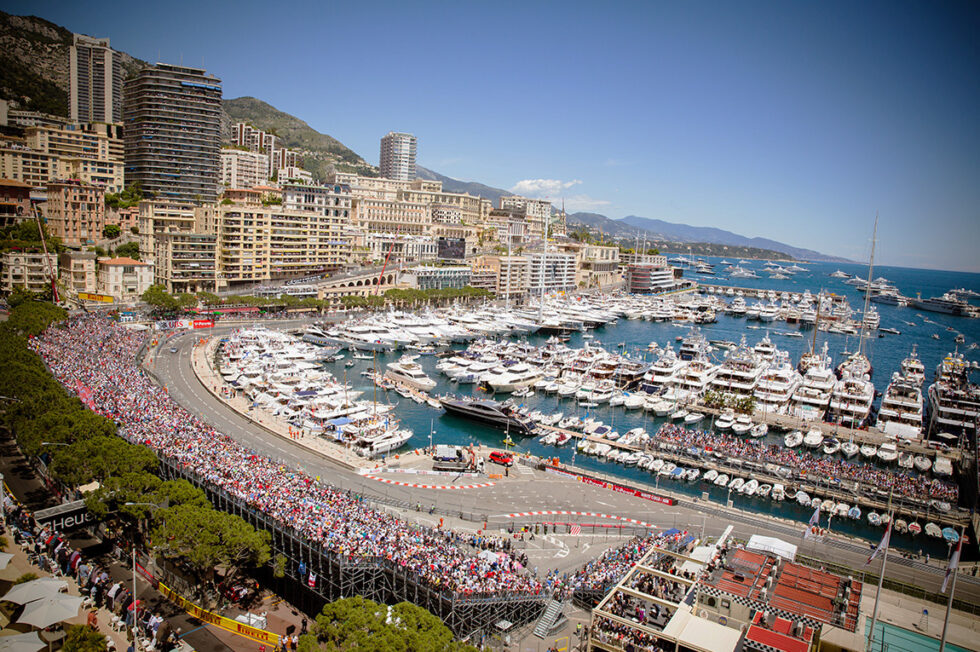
(634, 336)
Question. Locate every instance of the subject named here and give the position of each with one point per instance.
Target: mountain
(601, 228)
(34, 63)
(319, 151)
(686, 233)
(455, 185)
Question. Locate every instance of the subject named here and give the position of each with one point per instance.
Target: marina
(631, 374)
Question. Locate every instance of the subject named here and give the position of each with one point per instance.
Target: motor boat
(813, 439)
(725, 420)
(793, 439)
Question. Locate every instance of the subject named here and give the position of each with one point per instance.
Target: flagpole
(952, 592)
(881, 578)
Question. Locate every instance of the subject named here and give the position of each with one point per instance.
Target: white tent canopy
(772, 546)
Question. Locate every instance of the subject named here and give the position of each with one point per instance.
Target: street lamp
(54, 443)
(135, 598)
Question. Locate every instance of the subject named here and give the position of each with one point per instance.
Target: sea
(634, 336)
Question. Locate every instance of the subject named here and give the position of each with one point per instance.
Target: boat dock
(866, 496)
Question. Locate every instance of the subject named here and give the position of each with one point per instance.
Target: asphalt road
(523, 492)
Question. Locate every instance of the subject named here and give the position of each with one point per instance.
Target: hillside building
(95, 80)
(243, 169)
(185, 262)
(156, 217)
(173, 132)
(29, 270)
(398, 152)
(15, 202)
(91, 153)
(76, 271)
(124, 279)
(75, 212)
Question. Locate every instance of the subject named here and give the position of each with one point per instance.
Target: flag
(312, 580)
(813, 524)
(954, 562)
(883, 545)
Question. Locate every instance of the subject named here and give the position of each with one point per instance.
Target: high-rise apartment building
(95, 81)
(75, 212)
(173, 132)
(241, 169)
(398, 156)
(92, 153)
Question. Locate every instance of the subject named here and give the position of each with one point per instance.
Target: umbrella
(488, 555)
(35, 590)
(50, 610)
(5, 558)
(29, 642)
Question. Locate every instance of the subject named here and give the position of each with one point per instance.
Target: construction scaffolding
(335, 576)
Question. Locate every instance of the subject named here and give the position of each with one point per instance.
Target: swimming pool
(889, 638)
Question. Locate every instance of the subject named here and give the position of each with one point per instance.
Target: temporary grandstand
(722, 597)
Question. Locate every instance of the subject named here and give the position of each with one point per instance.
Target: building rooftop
(14, 183)
(120, 261)
(777, 633)
(785, 588)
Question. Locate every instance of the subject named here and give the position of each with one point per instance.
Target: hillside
(686, 233)
(455, 185)
(319, 151)
(34, 63)
(631, 236)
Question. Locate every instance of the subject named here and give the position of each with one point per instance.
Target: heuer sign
(65, 517)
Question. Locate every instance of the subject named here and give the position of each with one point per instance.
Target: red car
(501, 458)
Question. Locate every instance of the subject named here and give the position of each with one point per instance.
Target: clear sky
(790, 120)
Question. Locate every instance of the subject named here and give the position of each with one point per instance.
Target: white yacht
(510, 378)
(901, 408)
(740, 372)
(850, 402)
(913, 369)
(693, 379)
(409, 372)
(954, 401)
(765, 349)
(777, 385)
(663, 372)
(812, 397)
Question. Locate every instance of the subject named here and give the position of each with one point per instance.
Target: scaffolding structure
(337, 576)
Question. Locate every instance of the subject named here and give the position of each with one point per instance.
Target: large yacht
(740, 372)
(777, 385)
(408, 372)
(765, 349)
(692, 344)
(913, 369)
(510, 378)
(662, 373)
(490, 412)
(901, 408)
(812, 397)
(850, 402)
(692, 381)
(954, 401)
(948, 303)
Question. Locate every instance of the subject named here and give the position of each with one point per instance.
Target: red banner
(203, 323)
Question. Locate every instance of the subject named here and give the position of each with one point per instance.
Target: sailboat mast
(867, 290)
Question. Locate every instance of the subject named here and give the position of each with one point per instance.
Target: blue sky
(789, 120)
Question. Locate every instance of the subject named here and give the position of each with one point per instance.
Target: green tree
(129, 250)
(209, 298)
(207, 540)
(82, 638)
(364, 625)
(111, 231)
(130, 196)
(33, 317)
(98, 458)
(158, 297)
(135, 230)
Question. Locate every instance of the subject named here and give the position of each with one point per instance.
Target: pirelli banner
(211, 618)
(100, 298)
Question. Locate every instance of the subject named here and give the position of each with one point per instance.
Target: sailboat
(858, 364)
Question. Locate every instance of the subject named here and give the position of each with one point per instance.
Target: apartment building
(75, 212)
(76, 271)
(596, 266)
(256, 140)
(512, 274)
(510, 227)
(537, 213)
(156, 217)
(550, 272)
(398, 152)
(30, 270)
(293, 174)
(124, 279)
(392, 216)
(19, 162)
(19, 118)
(15, 202)
(266, 243)
(92, 153)
(173, 132)
(185, 262)
(95, 80)
(243, 169)
(125, 218)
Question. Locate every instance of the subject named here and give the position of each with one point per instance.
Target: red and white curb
(555, 512)
(415, 485)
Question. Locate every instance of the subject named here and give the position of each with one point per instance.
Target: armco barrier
(211, 618)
